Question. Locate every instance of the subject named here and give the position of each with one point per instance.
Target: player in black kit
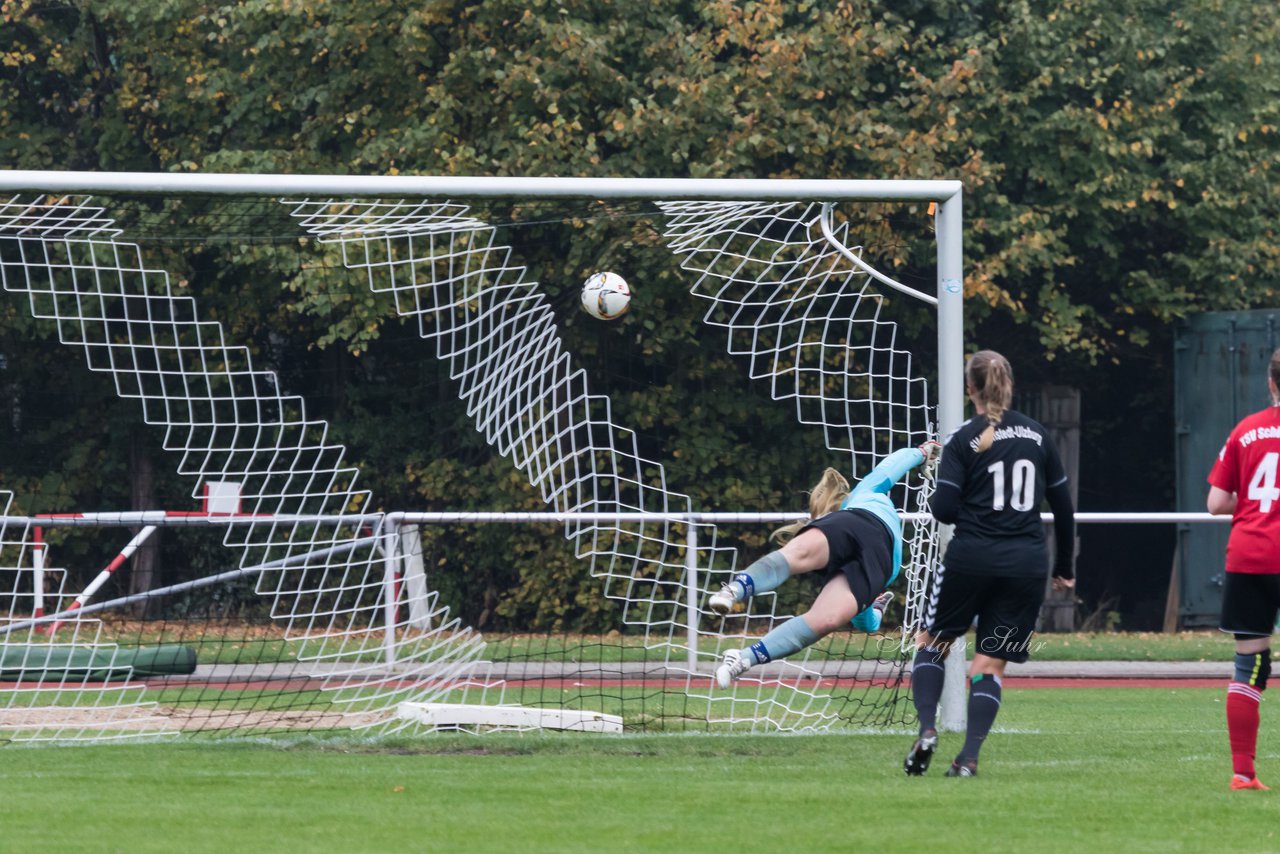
(996, 470)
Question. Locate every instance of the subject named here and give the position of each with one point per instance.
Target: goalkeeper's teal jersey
(872, 494)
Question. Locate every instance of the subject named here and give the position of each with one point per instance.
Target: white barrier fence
(385, 530)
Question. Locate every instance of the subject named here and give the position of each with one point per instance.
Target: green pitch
(1078, 769)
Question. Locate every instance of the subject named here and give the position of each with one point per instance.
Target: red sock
(1242, 726)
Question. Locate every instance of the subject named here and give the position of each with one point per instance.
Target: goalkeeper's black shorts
(860, 548)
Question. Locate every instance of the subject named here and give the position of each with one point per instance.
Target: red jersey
(1247, 465)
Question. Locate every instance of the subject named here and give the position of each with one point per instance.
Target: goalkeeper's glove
(930, 450)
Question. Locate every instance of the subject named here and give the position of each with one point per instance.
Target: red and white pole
(116, 563)
(37, 572)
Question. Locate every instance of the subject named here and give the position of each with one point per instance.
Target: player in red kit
(1245, 482)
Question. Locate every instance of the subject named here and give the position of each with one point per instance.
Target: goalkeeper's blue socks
(764, 575)
(984, 705)
(790, 637)
(927, 676)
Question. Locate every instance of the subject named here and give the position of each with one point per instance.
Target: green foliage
(1118, 163)
(1136, 147)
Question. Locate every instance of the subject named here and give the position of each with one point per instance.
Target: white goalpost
(360, 635)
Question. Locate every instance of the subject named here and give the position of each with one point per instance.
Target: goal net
(319, 606)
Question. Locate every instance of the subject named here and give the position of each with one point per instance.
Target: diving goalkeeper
(855, 537)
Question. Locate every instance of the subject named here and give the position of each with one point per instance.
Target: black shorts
(1007, 608)
(861, 548)
(1250, 602)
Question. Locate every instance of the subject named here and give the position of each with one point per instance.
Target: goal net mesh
(328, 613)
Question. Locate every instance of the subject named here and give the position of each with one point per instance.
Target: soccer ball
(606, 296)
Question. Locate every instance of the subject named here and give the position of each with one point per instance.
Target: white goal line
(456, 716)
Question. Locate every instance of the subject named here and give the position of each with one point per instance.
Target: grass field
(1111, 769)
(1210, 645)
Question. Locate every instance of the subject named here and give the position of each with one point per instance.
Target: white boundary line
(447, 715)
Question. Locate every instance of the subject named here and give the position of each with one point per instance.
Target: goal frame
(945, 197)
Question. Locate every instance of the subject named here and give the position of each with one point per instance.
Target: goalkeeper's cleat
(735, 664)
(869, 619)
(1239, 781)
(726, 602)
(917, 761)
(968, 768)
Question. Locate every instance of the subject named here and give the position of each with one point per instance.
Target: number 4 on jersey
(1262, 488)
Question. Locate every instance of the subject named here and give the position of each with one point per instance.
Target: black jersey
(994, 497)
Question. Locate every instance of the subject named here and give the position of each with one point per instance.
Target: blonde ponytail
(827, 495)
(990, 377)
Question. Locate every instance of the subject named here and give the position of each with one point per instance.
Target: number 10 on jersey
(1023, 483)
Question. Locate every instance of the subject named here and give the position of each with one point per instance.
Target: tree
(1116, 158)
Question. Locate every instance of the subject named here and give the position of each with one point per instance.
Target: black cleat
(969, 768)
(917, 761)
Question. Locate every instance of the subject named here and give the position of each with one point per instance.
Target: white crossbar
(44, 181)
